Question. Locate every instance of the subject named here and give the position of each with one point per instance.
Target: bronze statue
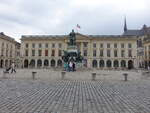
(72, 38)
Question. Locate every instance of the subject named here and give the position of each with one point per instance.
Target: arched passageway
(46, 63)
(59, 63)
(108, 63)
(94, 63)
(39, 63)
(116, 63)
(26, 63)
(1, 63)
(123, 63)
(101, 63)
(130, 64)
(32, 63)
(53, 63)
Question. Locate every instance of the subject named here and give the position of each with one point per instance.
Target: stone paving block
(75, 96)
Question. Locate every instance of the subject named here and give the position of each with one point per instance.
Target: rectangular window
(11, 53)
(2, 52)
(46, 52)
(85, 44)
(85, 53)
(129, 53)
(6, 53)
(60, 53)
(46, 45)
(53, 53)
(53, 45)
(59, 45)
(122, 45)
(122, 53)
(18, 53)
(108, 45)
(26, 52)
(94, 45)
(27, 45)
(129, 45)
(101, 53)
(101, 45)
(115, 53)
(40, 52)
(94, 53)
(33, 52)
(2, 44)
(33, 45)
(115, 45)
(108, 53)
(40, 45)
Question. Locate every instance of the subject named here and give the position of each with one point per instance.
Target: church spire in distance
(125, 25)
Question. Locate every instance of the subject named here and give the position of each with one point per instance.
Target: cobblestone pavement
(27, 96)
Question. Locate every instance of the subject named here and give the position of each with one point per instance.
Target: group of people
(70, 66)
(12, 68)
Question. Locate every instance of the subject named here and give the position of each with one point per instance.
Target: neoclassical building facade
(9, 51)
(116, 51)
(146, 47)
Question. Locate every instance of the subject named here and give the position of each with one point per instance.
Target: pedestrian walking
(13, 68)
(70, 66)
(73, 66)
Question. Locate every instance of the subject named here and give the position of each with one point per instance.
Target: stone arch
(101, 63)
(39, 63)
(53, 63)
(32, 63)
(46, 63)
(1, 63)
(148, 63)
(59, 63)
(130, 64)
(116, 63)
(6, 63)
(26, 63)
(85, 62)
(108, 63)
(123, 63)
(94, 63)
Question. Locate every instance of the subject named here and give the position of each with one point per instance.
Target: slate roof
(5, 37)
(144, 31)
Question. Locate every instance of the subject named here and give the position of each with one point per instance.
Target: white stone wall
(80, 40)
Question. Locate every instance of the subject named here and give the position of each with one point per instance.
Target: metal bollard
(125, 77)
(33, 75)
(63, 75)
(93, 76)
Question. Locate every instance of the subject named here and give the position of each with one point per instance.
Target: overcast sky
(50, 17)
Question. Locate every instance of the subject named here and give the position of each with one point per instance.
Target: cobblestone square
(74, 96)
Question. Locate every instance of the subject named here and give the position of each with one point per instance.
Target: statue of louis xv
(72, 38)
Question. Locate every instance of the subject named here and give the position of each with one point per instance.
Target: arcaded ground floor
(93, 63)
(108, 94)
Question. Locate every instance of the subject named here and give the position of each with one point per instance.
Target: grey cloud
(59, 17)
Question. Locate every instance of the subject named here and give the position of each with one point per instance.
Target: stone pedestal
(63, 75)
(93, 76)
(125, 76)
(33, 75)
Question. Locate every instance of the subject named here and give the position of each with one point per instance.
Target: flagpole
(76, 29)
